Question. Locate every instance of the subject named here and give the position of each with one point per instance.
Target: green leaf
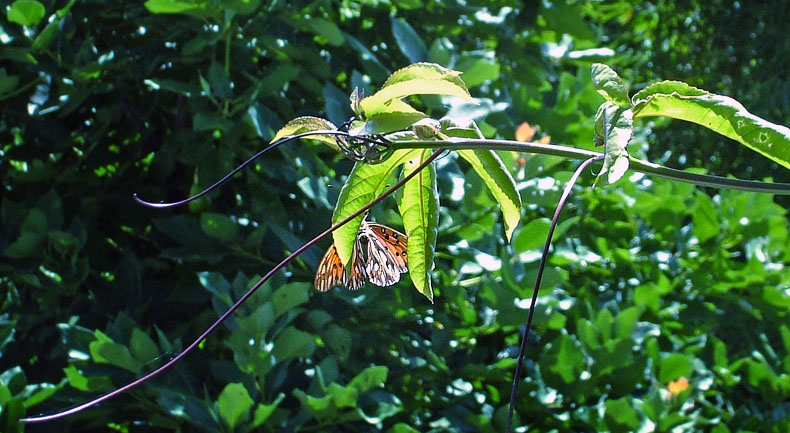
(364, 183)
(319, 407)
(105, 350)
(719, 113)
(319, 26)
(497, 178)
(220, 83)
(79, 381)
(26, 12)
(369, 378)
(28, 244)
(289, 296)
(417, 79)
(620, 416)
(338, 340)
(241, 7)
(234, 405)
(395, 116)
(673, 366)
(142, 346)
(419, 206)
(563, 360)
(616, 128)
(195, 8)
(342, 396)
(707, 224)
(625, 322)
(476, 70)
(264, 411)
(45, 38)
(219, 226)
(307, 124)
(402, 428)
(409, 41)
(293, 343)
(610, 85)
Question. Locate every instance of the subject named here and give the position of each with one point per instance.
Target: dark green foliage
(649, 281)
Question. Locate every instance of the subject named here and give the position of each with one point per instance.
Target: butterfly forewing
(330, 271)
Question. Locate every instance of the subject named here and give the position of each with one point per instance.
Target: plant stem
(575, 153)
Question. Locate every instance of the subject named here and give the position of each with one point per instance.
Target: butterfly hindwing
(386, 254)
(357, 275)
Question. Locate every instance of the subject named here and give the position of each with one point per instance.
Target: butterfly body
(379, 256)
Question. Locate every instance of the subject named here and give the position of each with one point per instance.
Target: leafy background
(651, 284)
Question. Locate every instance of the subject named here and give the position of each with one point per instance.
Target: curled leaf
(610, 85)
(307, 124)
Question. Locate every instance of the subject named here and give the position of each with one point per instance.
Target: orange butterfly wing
(330, 271)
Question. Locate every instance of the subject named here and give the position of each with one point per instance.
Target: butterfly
(379, 256)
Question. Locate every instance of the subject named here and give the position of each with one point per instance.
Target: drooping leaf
(417, 79)
(419, 206)
(616, 125)
(307, 124)
(499, 181)
(610, 85)
(364, 183)
(716, 112)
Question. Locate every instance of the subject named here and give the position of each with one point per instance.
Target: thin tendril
(246, 163)
(238, 303)
(538, 278)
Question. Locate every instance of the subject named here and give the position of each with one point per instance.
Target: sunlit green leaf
(417, 79)
(500, 183)
(307, 124)
(719, 113)
(419, 206)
